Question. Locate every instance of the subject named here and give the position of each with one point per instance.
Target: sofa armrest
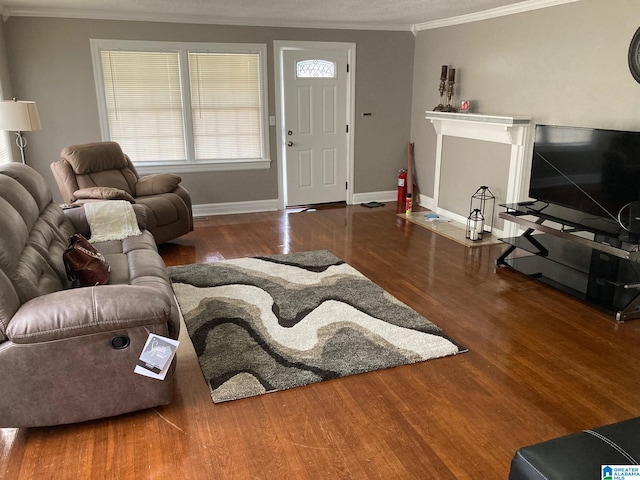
(87, 311)
(66, 180)
(79, 219)
(156, 184)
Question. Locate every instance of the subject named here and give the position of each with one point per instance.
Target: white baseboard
(207, 209)
(210, 209)
(385, 196)
(203, 210)
(426, 202)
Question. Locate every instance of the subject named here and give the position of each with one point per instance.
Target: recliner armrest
(87, 311)
(156, 184)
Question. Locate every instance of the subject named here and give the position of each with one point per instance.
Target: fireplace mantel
(512, 131)
(490, 128)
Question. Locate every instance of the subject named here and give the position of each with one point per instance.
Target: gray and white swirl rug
(265, 324)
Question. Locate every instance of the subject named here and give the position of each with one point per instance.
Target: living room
(565, 64)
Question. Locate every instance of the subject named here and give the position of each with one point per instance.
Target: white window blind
(144, 104)
(225, 100)
(5, 148)
(184, 106)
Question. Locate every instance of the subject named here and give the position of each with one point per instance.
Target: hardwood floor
(540, 364)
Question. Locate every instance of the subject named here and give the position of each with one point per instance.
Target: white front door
(315, 87)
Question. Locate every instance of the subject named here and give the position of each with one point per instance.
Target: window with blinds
(225, 100)
(5, 148)
(5, 145)
(184, 105)
(144, 104)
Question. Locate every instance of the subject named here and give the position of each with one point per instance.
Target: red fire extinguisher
(402, 189)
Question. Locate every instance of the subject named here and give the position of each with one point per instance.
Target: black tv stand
(589, 258)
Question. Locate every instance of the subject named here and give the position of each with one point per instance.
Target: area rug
(265, 324)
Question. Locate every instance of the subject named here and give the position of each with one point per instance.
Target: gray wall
(5, 80)
(50, 62)
(563, 65)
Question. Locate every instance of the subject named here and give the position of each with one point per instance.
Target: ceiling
(353, 14)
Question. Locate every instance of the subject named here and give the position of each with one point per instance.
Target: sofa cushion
(94, 157)
(87, 311)
(119, 179)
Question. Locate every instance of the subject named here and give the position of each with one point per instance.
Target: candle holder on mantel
(442, 89)
(452, 79)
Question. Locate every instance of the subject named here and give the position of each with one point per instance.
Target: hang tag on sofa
(156, 356)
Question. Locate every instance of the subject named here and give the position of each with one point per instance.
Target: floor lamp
(19, 116)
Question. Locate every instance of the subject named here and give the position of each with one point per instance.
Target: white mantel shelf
(512, 131)
(489, 128)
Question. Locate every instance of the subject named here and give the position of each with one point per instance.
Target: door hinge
(347, 128)
(346, 185)
(347, 68)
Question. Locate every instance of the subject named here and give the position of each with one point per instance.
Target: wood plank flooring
(540, 364)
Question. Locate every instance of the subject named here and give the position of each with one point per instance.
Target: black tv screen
(594, 171)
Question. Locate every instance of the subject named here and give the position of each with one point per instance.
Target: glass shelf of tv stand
(587, 261)
(551, 259)
(577, 227)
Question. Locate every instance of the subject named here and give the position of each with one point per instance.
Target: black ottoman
(579, 456)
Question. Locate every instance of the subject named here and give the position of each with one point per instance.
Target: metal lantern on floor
(475, 225)
(485, 202)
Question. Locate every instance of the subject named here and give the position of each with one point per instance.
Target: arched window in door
(315, 68)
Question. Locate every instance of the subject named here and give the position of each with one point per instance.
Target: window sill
(145, 169)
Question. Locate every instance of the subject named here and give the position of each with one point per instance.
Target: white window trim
(97, 45)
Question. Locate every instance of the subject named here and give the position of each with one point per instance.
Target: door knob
(289, 144)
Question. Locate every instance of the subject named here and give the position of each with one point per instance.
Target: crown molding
(526, 6)
(192, 19)
(521, 7)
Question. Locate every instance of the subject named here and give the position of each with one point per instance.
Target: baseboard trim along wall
(210, 209)
(384, 196)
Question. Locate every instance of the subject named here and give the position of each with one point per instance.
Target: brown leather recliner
(101, 171)
(68, 354)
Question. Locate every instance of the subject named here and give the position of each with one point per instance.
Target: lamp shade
(19, 116)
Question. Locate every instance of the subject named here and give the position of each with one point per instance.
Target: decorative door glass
(315, 68)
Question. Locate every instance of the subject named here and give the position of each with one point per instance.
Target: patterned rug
(264, 324)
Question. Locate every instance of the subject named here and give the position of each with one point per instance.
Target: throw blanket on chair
(111, 220)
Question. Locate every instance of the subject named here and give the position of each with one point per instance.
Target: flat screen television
(593, 171)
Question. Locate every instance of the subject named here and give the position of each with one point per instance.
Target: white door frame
(279, 46)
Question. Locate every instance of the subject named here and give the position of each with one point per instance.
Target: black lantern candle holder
(475, 225)
(485, 202)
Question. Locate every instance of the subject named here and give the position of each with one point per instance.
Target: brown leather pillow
(102, 193)
(156, 184)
